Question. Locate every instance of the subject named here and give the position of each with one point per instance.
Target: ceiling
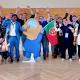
(41, 3)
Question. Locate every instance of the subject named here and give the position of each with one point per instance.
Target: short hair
(59, 17)
(32, 16)
(14, 15)
(74, 16)
(25, 13)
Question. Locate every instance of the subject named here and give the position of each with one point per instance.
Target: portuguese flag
(49, 26)
(53, 38)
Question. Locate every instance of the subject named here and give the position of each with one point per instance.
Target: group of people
(64, 35)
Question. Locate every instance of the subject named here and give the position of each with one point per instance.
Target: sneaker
(25, 60)
(79, 60)
(62, 59)
(73, 57)
(29, 61)
(70, 60)
(38, 59)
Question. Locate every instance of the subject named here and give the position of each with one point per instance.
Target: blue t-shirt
(44, 23)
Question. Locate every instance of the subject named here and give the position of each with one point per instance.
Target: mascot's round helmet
(34, 28)
(32, 23)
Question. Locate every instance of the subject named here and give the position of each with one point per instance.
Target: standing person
(23, 37)
(4, 46)
(78, 21)
(43, 22)
(19, 19)
(49, 19)
(53, 39)
(67, 39)
(58, 26)
(75, 25)
(13, 35)
(78, 43)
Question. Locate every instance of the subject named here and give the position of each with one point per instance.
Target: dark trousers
(59, 45)
(70, 50)
(74, 50)
(45, 45)
(79, 51)
(23, 37)
(54, 50)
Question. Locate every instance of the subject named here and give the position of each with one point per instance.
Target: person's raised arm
(37, 13)
(31, 11)
(48, 14)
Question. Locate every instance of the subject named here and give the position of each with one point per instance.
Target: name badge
(66, 35)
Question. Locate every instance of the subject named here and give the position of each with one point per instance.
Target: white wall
(41, 3)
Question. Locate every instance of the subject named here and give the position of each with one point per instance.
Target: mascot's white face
(32, 23)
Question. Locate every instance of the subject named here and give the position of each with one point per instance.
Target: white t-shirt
(12, 29)
(76, 25)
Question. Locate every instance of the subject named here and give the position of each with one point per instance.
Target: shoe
(25, 60)
(54, 56)
(44, 58)
(18, 60)
(62, 59)
(38, 59)
(79, 60)
(28, 61)
(73, 57)
(70, 60)
(12, 61)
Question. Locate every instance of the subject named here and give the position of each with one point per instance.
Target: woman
(3, 43)
(78, 43)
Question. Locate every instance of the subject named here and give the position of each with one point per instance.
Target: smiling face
(65, 22)
(60, 20)
(14, 18)
(52, 31)
(74, 18)
(24, 16)
(56, 17)
(41, 19)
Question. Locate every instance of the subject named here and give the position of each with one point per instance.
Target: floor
(51, 69)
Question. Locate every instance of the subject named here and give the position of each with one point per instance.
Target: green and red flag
(49, 26)
(52, 37)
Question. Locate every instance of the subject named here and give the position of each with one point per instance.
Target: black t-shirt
(2, 31)
(67, 34)
(20, 21)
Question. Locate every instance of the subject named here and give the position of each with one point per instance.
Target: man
(67, 39)
(75, 25)
(45, 44)
(13, 35)
(7, 19)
